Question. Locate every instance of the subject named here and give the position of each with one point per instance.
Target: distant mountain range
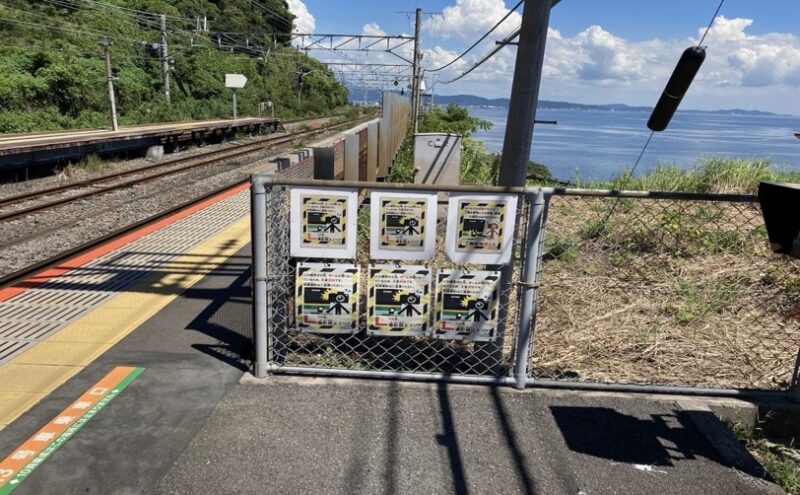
(372, 95)
(478, 101)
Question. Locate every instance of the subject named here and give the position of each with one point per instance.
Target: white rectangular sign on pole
(235, 81)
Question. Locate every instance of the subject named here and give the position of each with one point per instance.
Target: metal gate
(282, 348)
(640, 291)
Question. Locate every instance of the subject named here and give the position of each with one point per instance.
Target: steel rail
(88, 182)
(206, 159)
(22, 274)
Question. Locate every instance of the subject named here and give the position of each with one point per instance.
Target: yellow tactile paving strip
(38, 371)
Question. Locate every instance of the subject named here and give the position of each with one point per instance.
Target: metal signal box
(437, 159)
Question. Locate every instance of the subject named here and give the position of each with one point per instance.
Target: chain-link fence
(290, 348)
(665, 290)
(622, 288)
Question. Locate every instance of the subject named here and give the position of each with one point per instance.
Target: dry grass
(666, 293)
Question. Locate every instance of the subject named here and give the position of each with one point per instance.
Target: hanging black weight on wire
(677, 86)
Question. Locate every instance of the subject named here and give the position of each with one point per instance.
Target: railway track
(59, 235)
(24, 273)
(99, 185)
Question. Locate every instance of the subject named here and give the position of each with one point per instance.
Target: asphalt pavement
(328, 436)
(194, 423)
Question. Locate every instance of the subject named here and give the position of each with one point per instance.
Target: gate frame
(539, 201)
(262, 185)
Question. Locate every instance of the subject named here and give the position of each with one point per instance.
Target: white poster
(326, 298)
(399, 300)
(402, 225)
(323, 223)
(466, 304)
(480, 228)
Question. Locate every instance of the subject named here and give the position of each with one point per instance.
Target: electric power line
(711, 23)
(500, 46)
(485, 35)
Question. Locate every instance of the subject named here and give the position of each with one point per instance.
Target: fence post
(795, 390)
(529, 283)
(258, 209)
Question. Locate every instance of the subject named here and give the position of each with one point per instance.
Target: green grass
(332, 358)
(54, 78)
(774, 458)
(707, 175)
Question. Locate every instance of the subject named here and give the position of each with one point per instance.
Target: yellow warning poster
(402, 225)
(323, 223)
(480, 228)
(326, 298)
(466, 305)
(399, 300)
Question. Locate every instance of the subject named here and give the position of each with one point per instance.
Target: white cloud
(372, 29)
(753, 61)
(742, 69)
(439, 57)
(304, 22)
(468, 19)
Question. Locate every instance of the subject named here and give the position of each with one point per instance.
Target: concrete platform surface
(66, 137)
(323, 436)
(191, 424)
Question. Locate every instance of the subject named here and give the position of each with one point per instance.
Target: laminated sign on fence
(403, 225)
(324, 223)
(326, 298)
(399, 300)
(466, 304)
(480, 228)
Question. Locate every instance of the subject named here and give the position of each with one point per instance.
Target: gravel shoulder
(36, 237)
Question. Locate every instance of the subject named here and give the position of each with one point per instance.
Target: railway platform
(167, 310)
(24, 150)
(127, 369)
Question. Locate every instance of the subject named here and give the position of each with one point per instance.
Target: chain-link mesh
(671, 292)
(360, 351)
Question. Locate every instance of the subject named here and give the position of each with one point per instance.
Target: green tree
(52, 73)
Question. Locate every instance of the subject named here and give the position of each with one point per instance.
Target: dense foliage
(52, 71)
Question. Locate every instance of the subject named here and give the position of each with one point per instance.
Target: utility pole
(106, 43)
(433, 87)
(525, 93)
(300, 77)
(416, 72)
(235, 116)
(519, 130)
(164, 58)
(299, 87)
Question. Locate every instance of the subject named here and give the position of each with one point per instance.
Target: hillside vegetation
(52, 73)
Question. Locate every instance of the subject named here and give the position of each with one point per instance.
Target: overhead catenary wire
(275, 15)
(140, 12)
(485, 35)
(711, 23)
(500, 46)
(68, 29)
(632, 172)
(93, 9)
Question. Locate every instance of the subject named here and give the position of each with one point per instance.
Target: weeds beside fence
(633, 288)
(665, 291)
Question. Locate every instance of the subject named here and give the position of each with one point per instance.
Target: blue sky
(603, 51)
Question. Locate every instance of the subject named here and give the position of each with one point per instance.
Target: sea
(598, 144)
